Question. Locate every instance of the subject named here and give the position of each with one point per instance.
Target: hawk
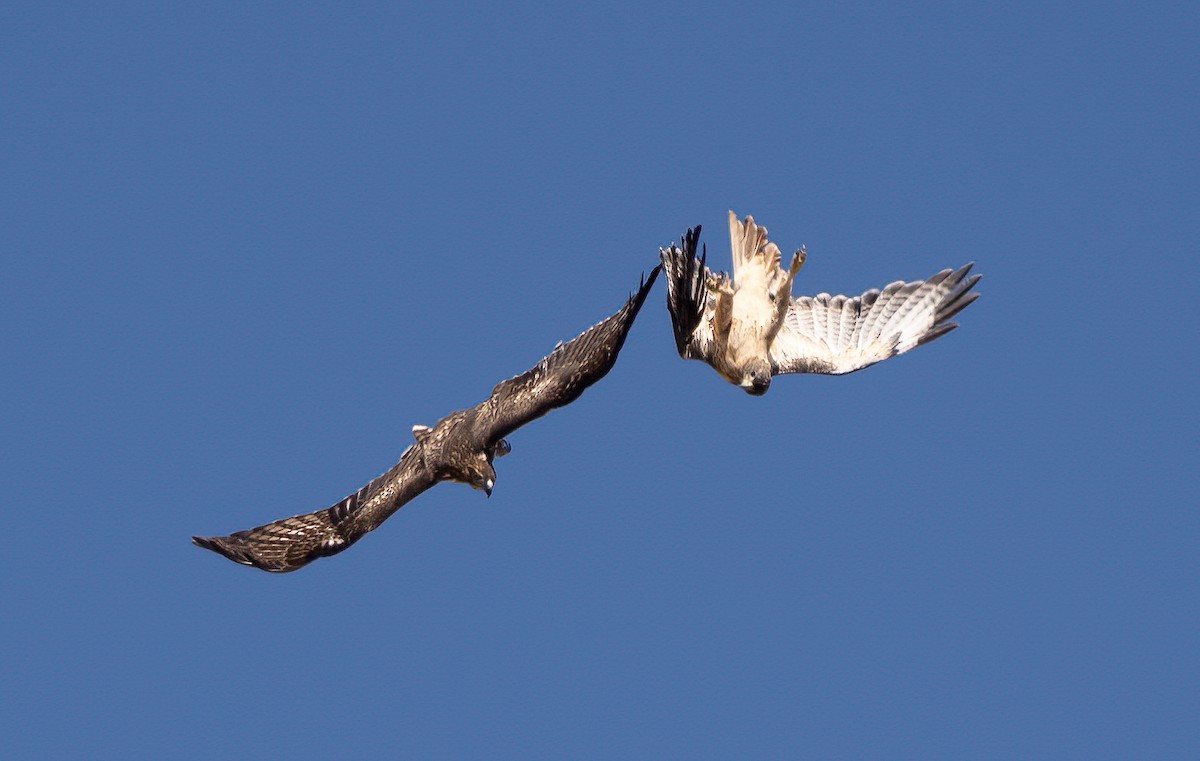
(749, 328)
(461, 447)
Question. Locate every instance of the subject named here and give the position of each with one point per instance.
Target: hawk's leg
(797, 262)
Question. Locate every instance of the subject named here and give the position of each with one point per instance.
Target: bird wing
(559, 379)
(699, 300)
(292, 543)
(841, 334)
(561, 376)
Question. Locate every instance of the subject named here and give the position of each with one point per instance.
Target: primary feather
(750, 325)
(841, 334)
(460, 447)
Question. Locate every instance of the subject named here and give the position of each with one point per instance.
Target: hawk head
(478, 473)
(756, 377)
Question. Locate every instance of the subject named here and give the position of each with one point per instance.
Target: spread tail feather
(753, 255)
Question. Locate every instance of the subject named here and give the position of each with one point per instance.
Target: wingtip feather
(647, 282)
(686, 291)
(962, 296)
(937, 333)
(222, 546)
(953, 308)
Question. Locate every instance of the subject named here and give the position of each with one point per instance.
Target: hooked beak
(487, 487)
(754, 388)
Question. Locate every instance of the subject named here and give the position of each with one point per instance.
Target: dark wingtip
(687, 289)
(962, 297)
(203, 541)
(647, 282)
(215, 544)
(690, 239)
(937, 333)
(222, 546)
(635, 299)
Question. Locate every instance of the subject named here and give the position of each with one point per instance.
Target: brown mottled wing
(697, 298)
(560, 377)
(840, 334)
(292, 543)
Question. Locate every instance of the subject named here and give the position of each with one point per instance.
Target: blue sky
(247, 246)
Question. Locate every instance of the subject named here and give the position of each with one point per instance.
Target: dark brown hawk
(460, 447)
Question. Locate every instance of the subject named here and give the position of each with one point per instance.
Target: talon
(797, 261)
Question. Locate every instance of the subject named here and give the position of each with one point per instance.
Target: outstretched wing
(698, 299)
(840, 334)
(292, 543)
(562, 376)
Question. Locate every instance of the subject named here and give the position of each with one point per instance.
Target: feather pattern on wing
(294, 542)
(452, 450)
(563, 375)
(698, 299)
(841, 334)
